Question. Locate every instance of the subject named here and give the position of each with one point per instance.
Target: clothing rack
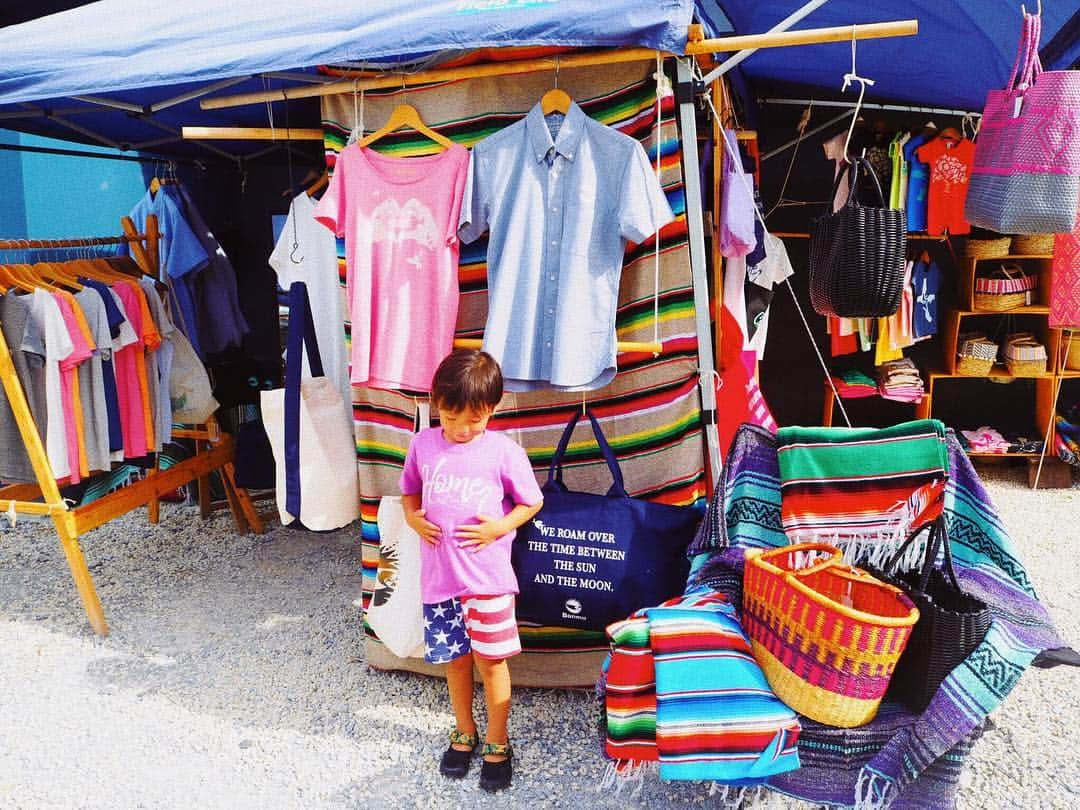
(214, 450)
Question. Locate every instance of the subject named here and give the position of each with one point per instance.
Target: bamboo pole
(250, 134)
(782, 39)
(621, 346)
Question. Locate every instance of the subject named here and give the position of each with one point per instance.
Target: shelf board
(980, 454)
(1028, 309)
(1014, 256)
(995, 373)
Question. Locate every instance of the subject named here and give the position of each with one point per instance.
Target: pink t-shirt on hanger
(128, 391)
(399, 217)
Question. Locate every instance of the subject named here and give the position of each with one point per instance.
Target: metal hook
(854, 76)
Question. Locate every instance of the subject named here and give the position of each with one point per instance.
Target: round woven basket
(987, 248)
(1033, 244)
(1026, 368)
(1072, 353)
(1003, 288)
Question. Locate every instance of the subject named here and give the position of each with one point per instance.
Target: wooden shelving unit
(1033, 318)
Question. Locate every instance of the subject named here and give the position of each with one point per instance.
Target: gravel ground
(235, 678)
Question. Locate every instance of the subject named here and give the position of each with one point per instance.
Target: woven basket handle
(938, 534)
(1022, 65)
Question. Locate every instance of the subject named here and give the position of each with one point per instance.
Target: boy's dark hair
(467, 378)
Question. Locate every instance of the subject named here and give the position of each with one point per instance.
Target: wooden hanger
(555, 100)
(406, 115)
(318, 185)
(59, 273)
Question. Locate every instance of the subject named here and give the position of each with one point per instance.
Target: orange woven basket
(827, 635)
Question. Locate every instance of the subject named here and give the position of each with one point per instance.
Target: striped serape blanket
(682, 690)
(898, 760)
(861, 488)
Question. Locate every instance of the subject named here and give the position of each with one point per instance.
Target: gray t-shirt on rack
(30, 371)
(92, 381)
(163, 358)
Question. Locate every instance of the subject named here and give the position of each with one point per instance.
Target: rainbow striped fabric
(682, 688)
(845, 484)
(651, 412)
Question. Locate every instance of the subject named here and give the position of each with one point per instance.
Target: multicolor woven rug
(650, 413)
(898, 760)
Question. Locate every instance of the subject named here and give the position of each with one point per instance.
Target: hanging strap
(555, 471)
(301, 333)
(939, 536)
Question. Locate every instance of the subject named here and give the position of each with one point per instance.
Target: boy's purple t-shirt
(456, 482)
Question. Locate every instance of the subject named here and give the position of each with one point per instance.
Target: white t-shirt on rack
(47, 336)
(314, 262)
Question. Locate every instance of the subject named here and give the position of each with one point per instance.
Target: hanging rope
(733, 155)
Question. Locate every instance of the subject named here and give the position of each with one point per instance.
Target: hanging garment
(92, 381)
(918, 183)
(898, 186)
(120, 334)
(162, 366)
(737, 217)
(47, 337)
(834, 151)
(1065, 280)
(399, 219)
(950, 173)
(74, 426)
(589, 190)
(926, 285)
(219, 320)
(181, 254)
(313, 260)
(842, 339)
(30, 372)
(761, 280)
(131, 385)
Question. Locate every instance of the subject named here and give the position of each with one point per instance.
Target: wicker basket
(976, 356)
(1024, 355)
(826, 635)
(1039, 244)
(987, 248)
(1005, 288)
(1072, 351)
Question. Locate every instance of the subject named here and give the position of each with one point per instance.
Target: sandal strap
(461, 738)
(497, 749)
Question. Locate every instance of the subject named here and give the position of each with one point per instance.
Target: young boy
(465, 491)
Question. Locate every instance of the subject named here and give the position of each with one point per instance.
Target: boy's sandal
(455, 763)
(496, 775)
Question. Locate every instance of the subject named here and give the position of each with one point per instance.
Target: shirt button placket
(553, 250)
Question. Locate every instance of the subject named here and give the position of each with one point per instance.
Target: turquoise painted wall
(58, 196)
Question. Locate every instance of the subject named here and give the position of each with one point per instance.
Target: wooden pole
(621, 346)
(250, 134)
(782, 39)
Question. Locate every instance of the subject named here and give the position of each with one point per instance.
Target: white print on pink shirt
(395, 223)
(445, 488)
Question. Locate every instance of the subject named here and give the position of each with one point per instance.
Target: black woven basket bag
(951, 623)
(857, 254)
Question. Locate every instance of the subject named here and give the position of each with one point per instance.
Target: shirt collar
(569, 133)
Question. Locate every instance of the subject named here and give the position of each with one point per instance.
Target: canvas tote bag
(396, 612)
(587, 560)
(190, 392)
(1026, 172)
(313, 445)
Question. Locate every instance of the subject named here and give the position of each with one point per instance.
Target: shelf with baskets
(1002, 296)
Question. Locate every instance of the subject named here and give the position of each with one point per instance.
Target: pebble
(234, 678)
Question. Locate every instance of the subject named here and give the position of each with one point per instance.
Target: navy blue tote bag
(587, 560)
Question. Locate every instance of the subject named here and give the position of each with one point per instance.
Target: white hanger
(850, 77)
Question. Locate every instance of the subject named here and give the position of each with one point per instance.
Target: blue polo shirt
(559, 211)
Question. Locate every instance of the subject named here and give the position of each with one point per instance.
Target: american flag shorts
(484, 625)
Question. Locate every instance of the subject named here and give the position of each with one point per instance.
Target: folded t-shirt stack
(899, 380)
(854, 384)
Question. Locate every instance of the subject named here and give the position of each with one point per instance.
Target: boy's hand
(423, 527)
(477, 535)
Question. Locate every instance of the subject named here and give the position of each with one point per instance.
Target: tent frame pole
(695, 222)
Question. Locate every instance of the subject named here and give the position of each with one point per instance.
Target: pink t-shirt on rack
(399, 217)
(125, 365)
(457, 482)
(68, 369)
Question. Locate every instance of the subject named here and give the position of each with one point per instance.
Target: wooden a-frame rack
(214, 450)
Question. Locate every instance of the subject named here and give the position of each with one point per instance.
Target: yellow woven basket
(1072, 354)
(826, 635)
(1040, 244)
(987, 248)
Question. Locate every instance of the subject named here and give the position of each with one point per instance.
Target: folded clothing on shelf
(854, 384)
(900, 380)
(985, 440)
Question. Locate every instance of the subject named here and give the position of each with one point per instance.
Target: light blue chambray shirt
(559, 213)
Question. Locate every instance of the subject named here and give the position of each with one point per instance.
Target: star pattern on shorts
(444, 632)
